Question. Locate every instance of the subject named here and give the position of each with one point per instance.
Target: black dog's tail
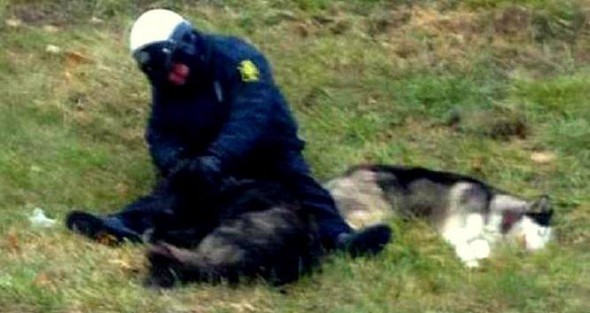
(170, 265)
(278, 245)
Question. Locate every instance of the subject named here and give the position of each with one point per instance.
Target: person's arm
(252, 97)
(165, 149)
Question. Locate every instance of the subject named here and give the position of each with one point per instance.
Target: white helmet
(153, 26)
(160, 36)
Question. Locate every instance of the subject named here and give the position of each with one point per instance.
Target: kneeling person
(216, 110)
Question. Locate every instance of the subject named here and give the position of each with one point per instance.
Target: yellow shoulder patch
(249, 71)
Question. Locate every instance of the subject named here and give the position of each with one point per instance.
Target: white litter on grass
(53, 49)
(13, 22)
(50, 28)
(543, 157)
(39, 219)
(96, 20)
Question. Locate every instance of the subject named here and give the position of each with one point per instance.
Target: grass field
(495, 89)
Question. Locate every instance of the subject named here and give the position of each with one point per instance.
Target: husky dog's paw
(470, 252)
(481, 248)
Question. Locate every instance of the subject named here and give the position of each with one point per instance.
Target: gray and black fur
(464, 210)
(262, 232)
(424, 193)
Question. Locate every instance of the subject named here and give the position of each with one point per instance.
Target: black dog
(258, 231)
(213, 231)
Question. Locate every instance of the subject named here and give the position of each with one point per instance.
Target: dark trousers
(149, 211)
(164, 207)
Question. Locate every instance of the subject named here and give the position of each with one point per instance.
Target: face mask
(155, 60)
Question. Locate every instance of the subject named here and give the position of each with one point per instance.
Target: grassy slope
(475, 86)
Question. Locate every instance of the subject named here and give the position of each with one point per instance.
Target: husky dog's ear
(541, 204)
(541, 211)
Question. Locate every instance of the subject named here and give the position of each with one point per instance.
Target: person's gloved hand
(208, 168)
(202, 170)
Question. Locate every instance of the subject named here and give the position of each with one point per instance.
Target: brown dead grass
(422, 36)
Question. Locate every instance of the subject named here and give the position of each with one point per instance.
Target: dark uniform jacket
(230, 108)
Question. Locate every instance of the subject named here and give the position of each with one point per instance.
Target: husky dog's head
(509, 220)
(529, 225)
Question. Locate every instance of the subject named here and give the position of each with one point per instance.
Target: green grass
(454, 85)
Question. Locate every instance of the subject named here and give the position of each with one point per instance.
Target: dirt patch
(435, 23)
(66, 12)
(434, 38)
(387, 21)
(509, 37)
(50, 13)
(499, 123)
(512, 21)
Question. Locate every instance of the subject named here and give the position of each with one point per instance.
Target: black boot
(365, 242)
(106, 230)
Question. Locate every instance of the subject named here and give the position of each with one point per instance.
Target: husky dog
(261, 232)
(470, 214)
